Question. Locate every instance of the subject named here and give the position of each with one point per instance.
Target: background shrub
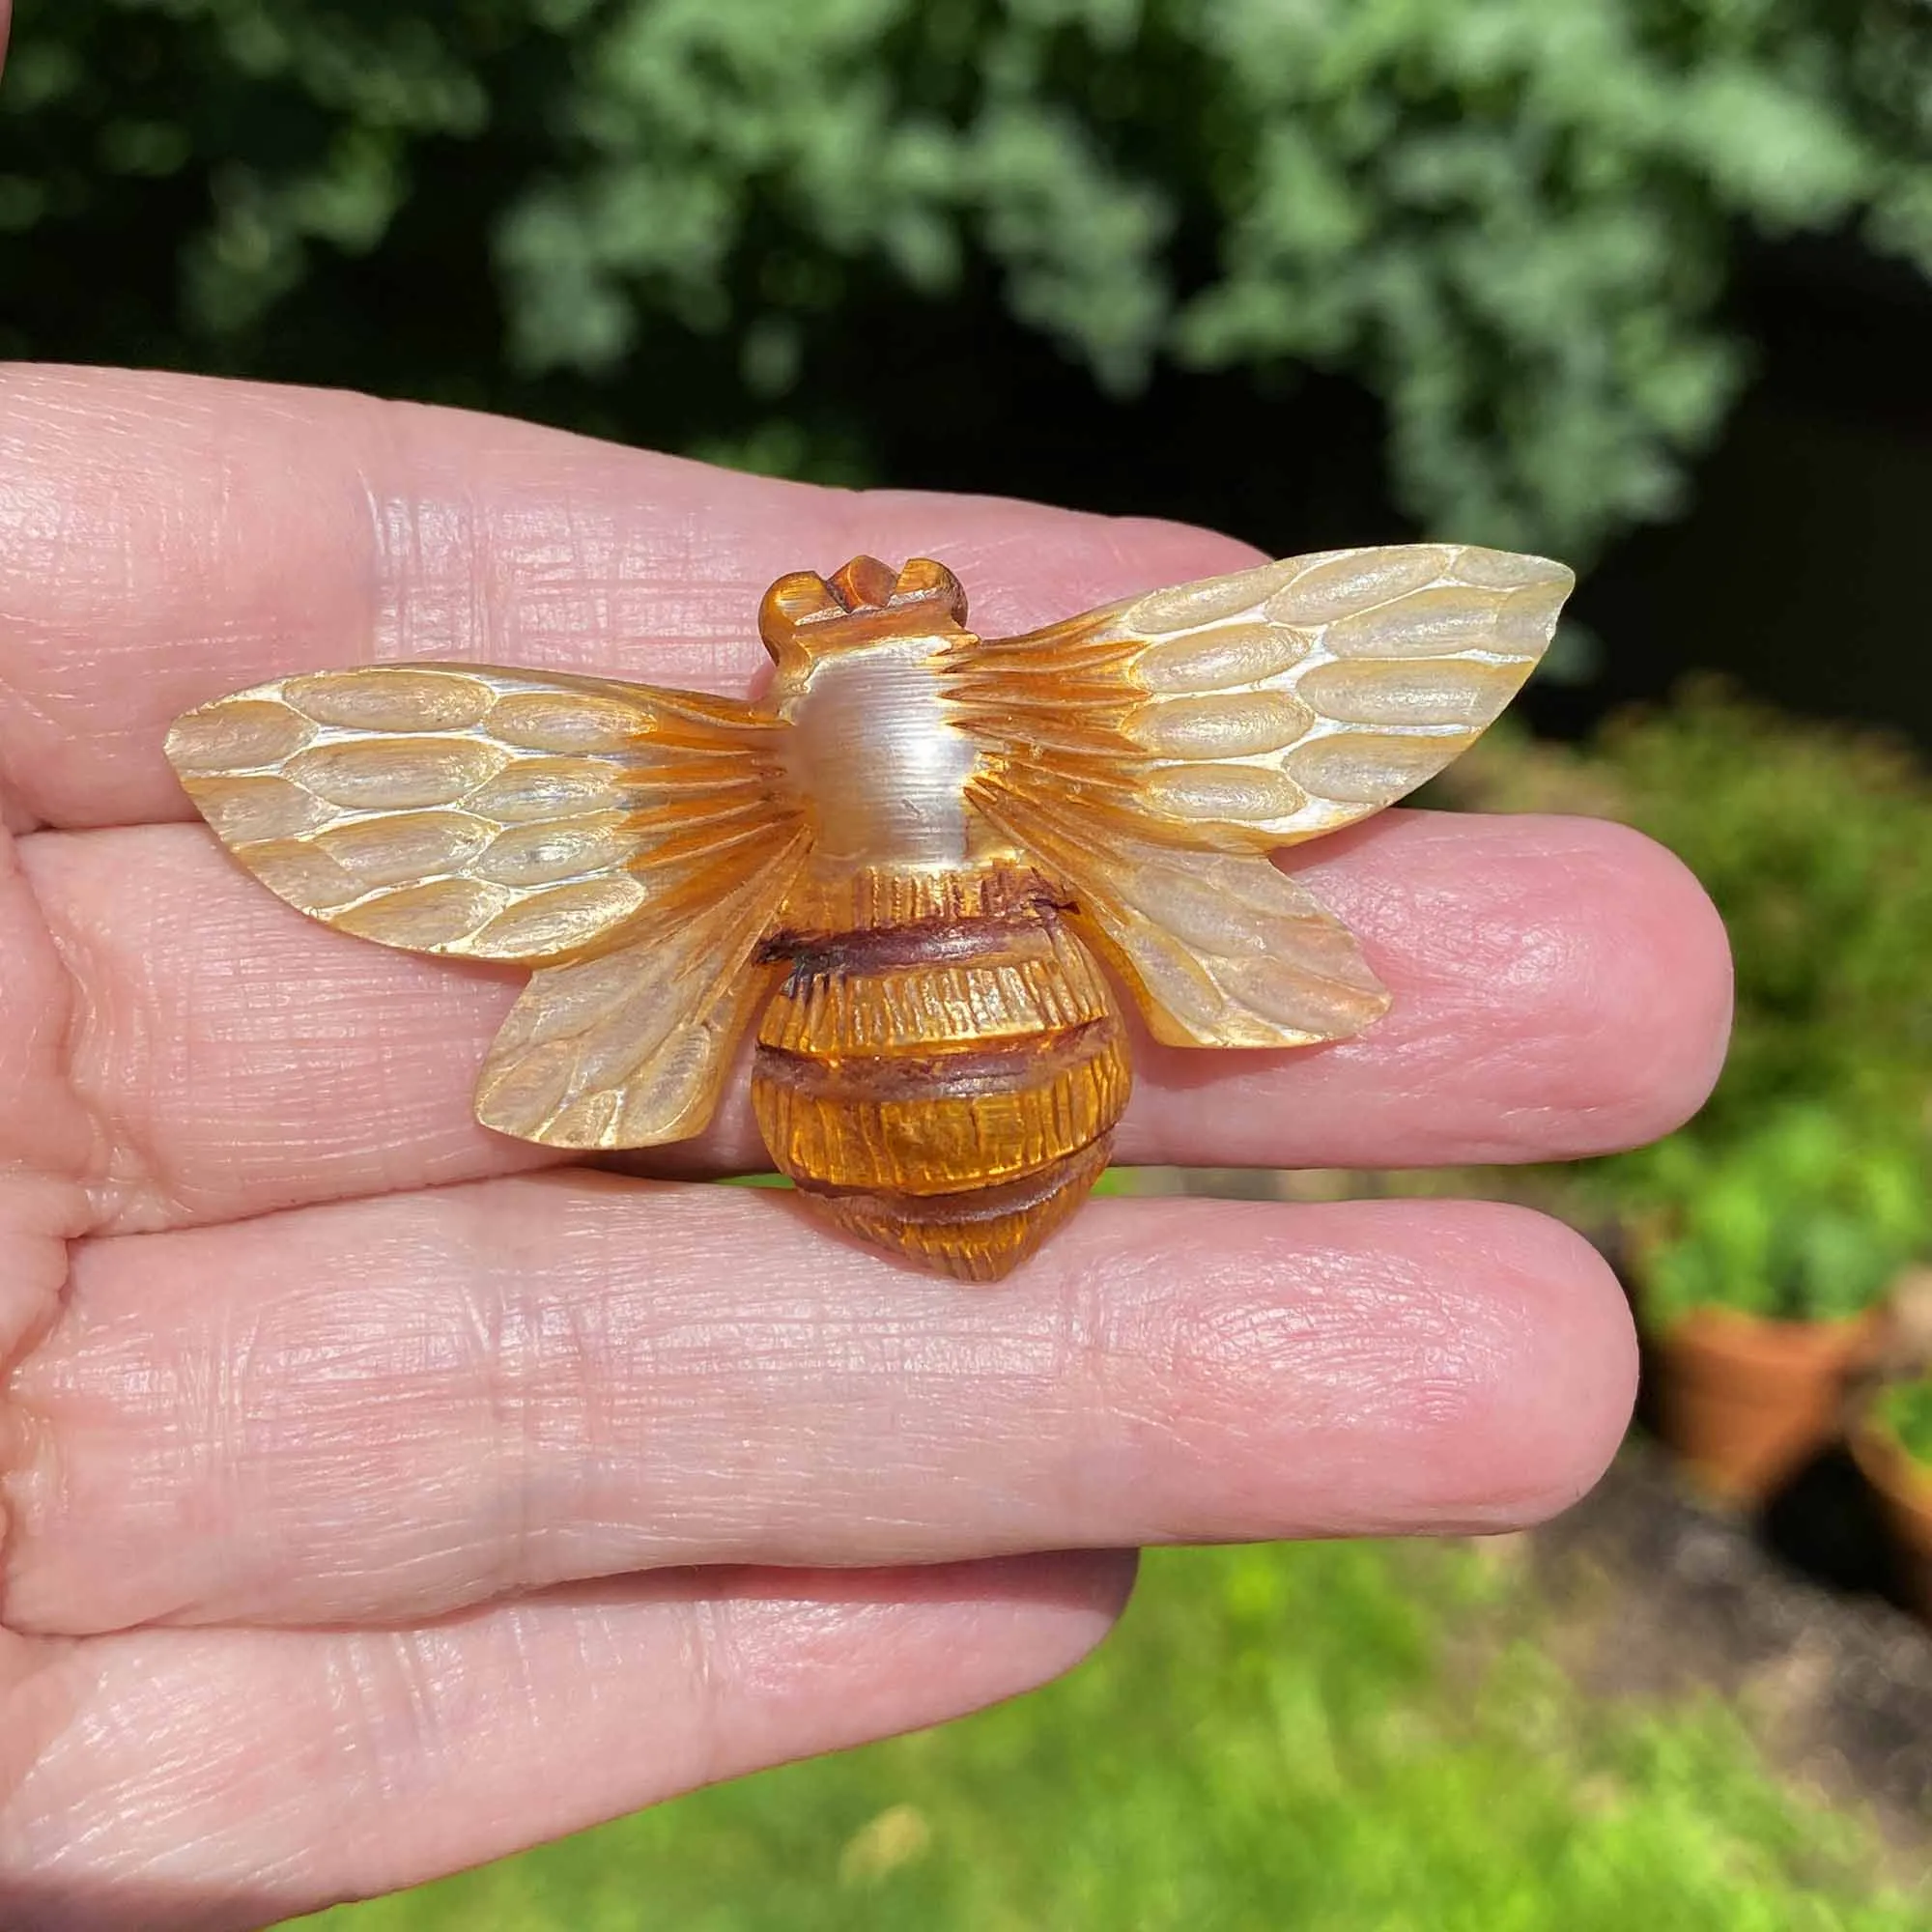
(1512, 220)
(1815, 841)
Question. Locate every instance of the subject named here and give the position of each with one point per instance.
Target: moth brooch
(921, 864)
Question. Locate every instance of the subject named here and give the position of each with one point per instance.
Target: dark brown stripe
(968, 1205)
(893, 949)
(1027, 1060)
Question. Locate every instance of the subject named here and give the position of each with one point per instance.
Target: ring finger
(387, 1409)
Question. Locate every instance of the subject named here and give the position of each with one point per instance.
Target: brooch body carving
(919, 865)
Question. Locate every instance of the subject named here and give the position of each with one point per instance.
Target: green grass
(1328, 1738)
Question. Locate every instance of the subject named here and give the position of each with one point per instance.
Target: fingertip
(1470, 1367)
(1662, 991)
(1561, 987)
(1355, 1369)
(1545, 1371)
(1072, 1600)
(1006, 1623)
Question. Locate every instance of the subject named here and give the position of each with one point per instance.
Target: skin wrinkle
(1615, 999)
(505, 1361)
(39, 1047)
(152, 488)
(1113, 1354)
(41, 1693)
(659, 1376)
(314, 1375)
(111, 1165)
(527, 581)
(18, 699)
(414, 1711)
(536, 1447)
(42, 1181)
(547, 1358)
(1373, 1348)
(16, 815)
(710, 1662)
(106, 1730)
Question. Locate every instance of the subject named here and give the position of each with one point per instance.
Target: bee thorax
(877, 756)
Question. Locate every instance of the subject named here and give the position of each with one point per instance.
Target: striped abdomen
(944, 1085)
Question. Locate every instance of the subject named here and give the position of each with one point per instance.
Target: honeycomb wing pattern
(483, 813)
(1266, 707)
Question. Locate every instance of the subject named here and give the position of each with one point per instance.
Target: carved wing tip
(174, 747)
(1367, 1005)
(1367, 1013)
(1536, 587)
(1377, 1000)
(1521, 566)
(1253, 1033)
(186, 733)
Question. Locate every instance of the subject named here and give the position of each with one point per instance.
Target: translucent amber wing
(1218, 948)
(631, 1048)
(1256, 710)
(1151, 753)
(489, 813)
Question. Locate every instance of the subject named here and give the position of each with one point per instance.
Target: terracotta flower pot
(1904, 1490)
(1747, 1402)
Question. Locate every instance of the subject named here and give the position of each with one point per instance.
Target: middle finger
(1560, 989)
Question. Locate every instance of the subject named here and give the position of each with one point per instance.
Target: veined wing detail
(1219, 948)
(1152, 753)
(631, 1048)
(1259, 709)
(484, 813)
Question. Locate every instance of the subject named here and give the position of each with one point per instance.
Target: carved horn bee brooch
(921, 865)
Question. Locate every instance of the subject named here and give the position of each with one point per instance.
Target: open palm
(380, 1494)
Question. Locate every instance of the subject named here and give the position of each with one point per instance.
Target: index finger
(164, 539)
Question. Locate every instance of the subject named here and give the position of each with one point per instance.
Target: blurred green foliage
(1511, 219)
(1804, 1187)
(1815, 843)
(1905, 1408)
(1809, 1215)
(1331, 1736)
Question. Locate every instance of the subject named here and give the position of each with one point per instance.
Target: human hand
(382, 1496)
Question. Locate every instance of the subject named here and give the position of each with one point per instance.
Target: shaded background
(1639, 282)
(1646, 284)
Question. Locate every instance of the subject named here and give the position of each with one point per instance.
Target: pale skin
(381, 1494)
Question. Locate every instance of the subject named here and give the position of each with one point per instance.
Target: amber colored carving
(911, 865)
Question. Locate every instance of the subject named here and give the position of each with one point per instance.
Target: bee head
(861, 603)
